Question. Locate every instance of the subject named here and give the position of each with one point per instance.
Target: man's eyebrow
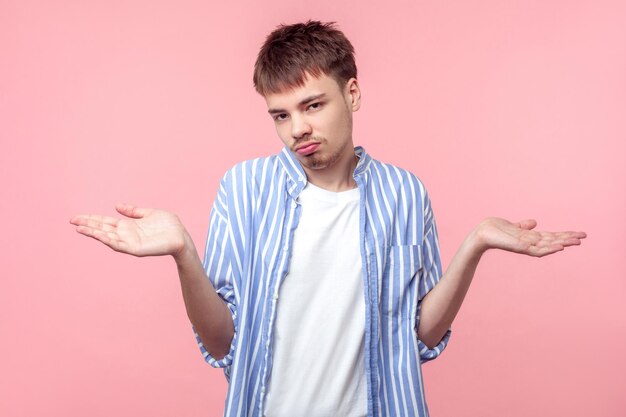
(302, 103)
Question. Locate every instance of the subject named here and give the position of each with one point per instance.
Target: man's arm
(151, 232)
(441, 305)
(206, 310)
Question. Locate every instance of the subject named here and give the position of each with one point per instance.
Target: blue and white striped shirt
(247, 256)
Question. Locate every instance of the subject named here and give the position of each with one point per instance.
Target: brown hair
(292, 51)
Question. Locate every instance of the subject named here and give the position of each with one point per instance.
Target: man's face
(315, 121)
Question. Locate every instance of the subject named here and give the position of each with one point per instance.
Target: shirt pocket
(400, 280)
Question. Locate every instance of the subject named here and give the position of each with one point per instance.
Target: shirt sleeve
(429, 276)
(218, 269)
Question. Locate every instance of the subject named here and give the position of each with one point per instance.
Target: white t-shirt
(318, 352)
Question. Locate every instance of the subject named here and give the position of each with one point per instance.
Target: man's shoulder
(392, 175)
(258, 168)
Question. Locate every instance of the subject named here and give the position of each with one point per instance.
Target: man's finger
(545, 250)
(108, 238)
(83, 219)
(527, 224)
(131, 210)
(99, 225)
(105, 237)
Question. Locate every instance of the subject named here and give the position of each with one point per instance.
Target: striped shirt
(247, 256)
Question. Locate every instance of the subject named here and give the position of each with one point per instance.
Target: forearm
(441, 305)
(205, 309)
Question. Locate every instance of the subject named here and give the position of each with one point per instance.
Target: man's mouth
(307, 148)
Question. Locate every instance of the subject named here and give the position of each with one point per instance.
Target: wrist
(186, 251)
(475, 241)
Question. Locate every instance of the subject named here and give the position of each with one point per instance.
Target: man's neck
(339, 177)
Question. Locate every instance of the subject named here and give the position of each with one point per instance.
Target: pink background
(514, 109)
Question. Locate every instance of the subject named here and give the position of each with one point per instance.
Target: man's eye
(315, 106)
(280, 117)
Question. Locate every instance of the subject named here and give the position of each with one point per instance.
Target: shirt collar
(297, 176)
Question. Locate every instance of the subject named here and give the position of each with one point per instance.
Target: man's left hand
(497, 233)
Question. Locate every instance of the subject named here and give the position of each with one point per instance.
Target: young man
(325, 290)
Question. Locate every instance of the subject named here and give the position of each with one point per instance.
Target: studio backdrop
(513, 109)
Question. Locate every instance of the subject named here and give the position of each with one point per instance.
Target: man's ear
(353, 94)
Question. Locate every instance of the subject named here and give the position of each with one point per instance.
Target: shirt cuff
(227, 360)
(427, 354)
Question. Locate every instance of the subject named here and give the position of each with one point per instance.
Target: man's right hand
(152, 232)
(145, 231)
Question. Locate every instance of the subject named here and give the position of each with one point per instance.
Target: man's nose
(299, 127)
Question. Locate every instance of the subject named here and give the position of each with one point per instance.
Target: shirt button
(267, 343)
(275, 297)
(262, 389)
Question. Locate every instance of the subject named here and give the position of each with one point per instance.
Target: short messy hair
(292, 51)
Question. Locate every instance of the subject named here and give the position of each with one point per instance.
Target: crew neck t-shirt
(318, 370)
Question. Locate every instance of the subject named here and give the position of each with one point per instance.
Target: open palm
(519, 237)
(145, 231)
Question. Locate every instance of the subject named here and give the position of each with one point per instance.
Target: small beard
(321, 161)
(318, 161)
